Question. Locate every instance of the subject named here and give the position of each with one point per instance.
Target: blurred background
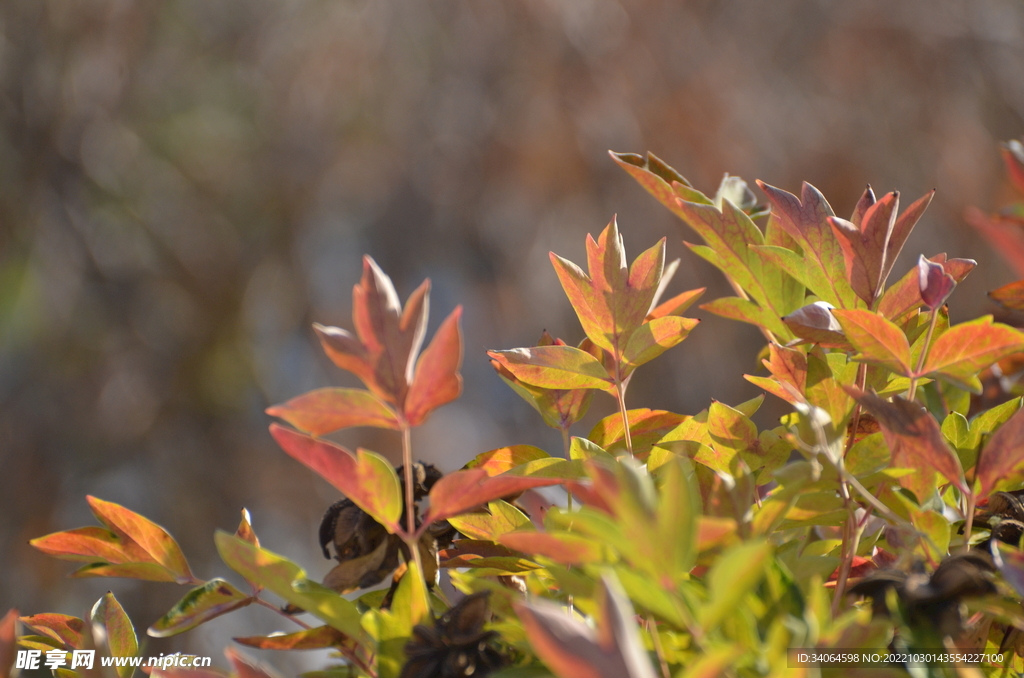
(186, 185)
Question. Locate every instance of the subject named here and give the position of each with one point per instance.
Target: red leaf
(864, 246)
(572, 649)
(1001, 458)
(463, 491)
(805, 219)
(1004, 234)
(437, 380)
(1013, 156)
(905, 295)
(914, 439)
(879, 341)
(902, 228)
(936, 285)
(367, 479)
(329, 409)
(383, 352)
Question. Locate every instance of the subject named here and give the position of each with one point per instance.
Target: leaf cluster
(884, 511)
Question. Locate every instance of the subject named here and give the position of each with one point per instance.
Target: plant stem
(652, 628)
(969, 521)
(411, 536)
(566, 446)
(410, 503)
(620, 392)
(857, 528)
(912, 391)
(862, 378)
(275, 608)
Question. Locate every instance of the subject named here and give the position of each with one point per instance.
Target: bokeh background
(186, 185)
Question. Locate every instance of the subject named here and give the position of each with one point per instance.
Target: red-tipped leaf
(366, 478)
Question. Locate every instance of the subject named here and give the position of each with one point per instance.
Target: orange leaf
(367, 479)
(86, 544)
(1010, 296)
(1001, 458)
(329, 409)
(68, 630)
(646, 427)
(879, 341)
(383, 352)
(437, 380)
(504, 459)
(554, 367)
(463, 491)
(613, 300)
(677, 305)
(154, 540)
(309, 639)
(562, 547)
(962, 351)
(915, 441)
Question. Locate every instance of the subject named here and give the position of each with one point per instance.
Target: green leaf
(329, 409)
(411, 606)
(730, 429)
(655, 337)
(287, 580)
(1001, 462)
(555, 367)
(731, 578)
(108, 614)
(582, 448)
(366, 478)
(501, 517)
(201, 604)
